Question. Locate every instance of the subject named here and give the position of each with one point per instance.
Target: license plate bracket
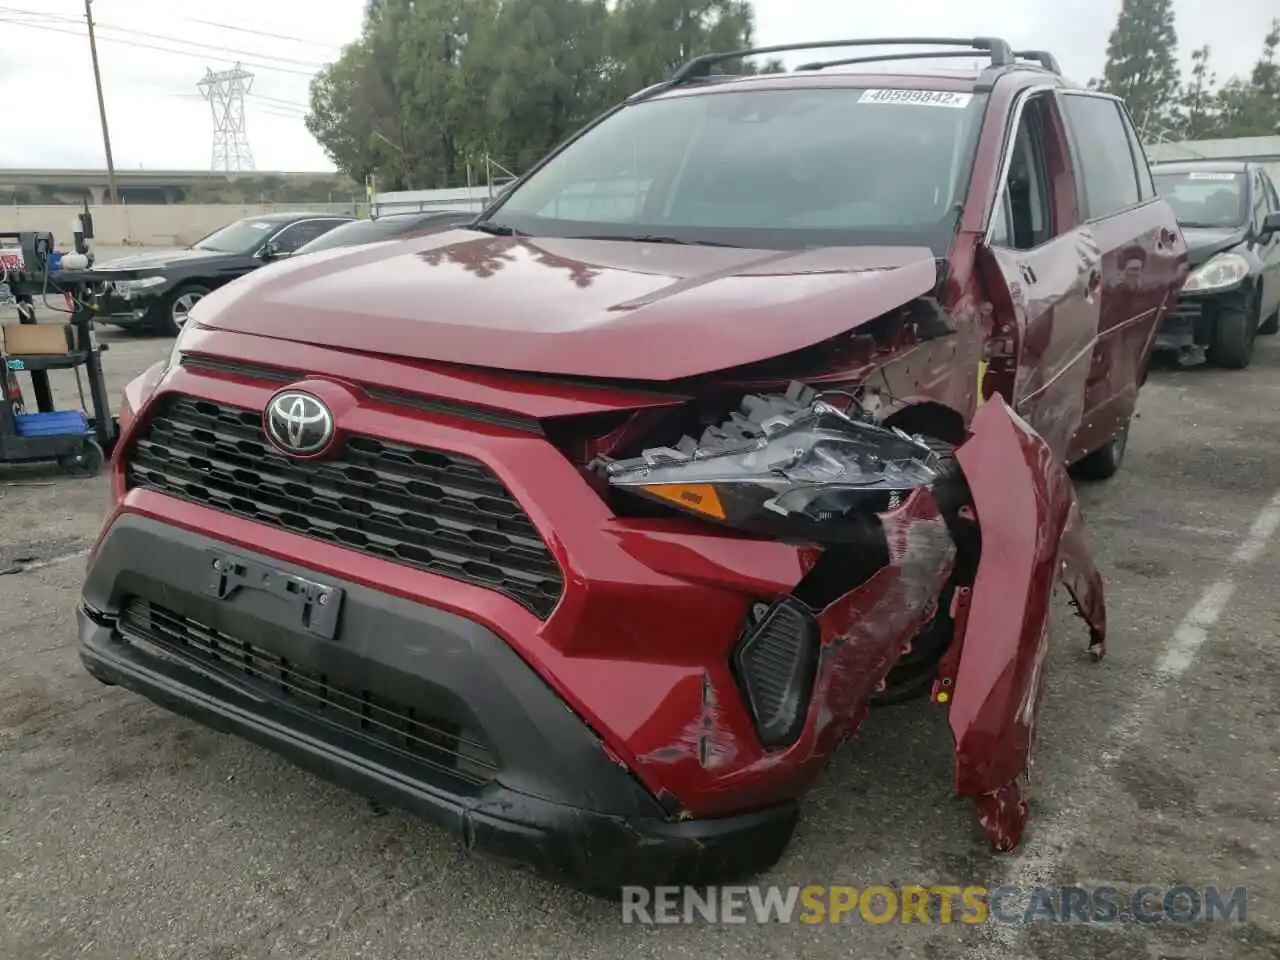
(316, 604)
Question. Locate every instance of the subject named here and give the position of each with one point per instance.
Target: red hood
(616, 309)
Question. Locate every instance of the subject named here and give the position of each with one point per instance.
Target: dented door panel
(1143, 257)
(1052, 295)
(1031, 539)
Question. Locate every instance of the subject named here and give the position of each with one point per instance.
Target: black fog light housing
(775, 663)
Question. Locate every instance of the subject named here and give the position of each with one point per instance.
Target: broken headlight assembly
(813, 475)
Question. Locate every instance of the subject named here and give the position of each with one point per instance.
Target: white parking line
(1037, 861)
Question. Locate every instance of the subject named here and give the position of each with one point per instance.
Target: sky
(153, 53)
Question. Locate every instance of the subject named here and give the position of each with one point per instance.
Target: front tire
(1271, 325)
(1234, 331)
(177, 306)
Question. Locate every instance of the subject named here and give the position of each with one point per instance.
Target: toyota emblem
(299, 423)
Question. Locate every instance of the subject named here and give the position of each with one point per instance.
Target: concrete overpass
(149, 186)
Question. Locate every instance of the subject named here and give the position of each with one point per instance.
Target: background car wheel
(1103, 463)
(1271, 325)
(85, 462)
(178, 305)
(1233, 337)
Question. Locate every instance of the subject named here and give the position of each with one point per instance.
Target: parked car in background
(386, 227)
(1230, 215)
(155, 291)
(591, 530)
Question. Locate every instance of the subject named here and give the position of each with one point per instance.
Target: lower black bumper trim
(591, 851)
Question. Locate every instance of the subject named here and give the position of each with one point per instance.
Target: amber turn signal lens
(698, 497)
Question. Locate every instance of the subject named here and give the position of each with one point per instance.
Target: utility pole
(112, 196)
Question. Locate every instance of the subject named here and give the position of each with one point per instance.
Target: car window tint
(1025, 214)
(362, 231)
(291, 238)
(1104, 155)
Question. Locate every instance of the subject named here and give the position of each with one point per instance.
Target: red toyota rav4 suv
(592, 528)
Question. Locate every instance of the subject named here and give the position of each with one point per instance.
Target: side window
(1272, 199)
(291, 238)
(1024, 216)
(1261, 202)
(1002, 221)
(1103, 151)
(1146, 185)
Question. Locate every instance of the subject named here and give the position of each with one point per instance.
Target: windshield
(243, 236)
(772, 169)
(1204, 198)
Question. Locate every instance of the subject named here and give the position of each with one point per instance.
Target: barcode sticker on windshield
(1204, 175)
(919, 98)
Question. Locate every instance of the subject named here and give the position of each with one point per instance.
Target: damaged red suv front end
(592, 549)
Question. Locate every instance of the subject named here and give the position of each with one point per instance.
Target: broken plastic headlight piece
(815, 475)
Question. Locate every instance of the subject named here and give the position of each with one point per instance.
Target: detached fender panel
(1032, 539)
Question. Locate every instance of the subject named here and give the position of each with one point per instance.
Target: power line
(264, 33)
(211, 46)
(180, 53)
(69, 21)
(277, 102)
(41, 16)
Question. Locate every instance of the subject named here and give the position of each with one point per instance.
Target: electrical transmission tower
(225, 91)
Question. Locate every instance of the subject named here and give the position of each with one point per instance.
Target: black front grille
(429, 509)
(1186, 310)
(415, 735)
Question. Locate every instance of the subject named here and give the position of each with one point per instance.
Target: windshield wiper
(496, 229)
(658, 238)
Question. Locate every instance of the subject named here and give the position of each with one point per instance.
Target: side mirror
(271, 250)
(1271, 225)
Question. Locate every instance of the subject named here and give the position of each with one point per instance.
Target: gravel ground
(128, 832)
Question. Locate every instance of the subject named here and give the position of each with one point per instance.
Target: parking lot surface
(128, 832)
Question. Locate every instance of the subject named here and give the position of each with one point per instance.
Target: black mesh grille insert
(430, 509)
(775, 663)
(414, 735)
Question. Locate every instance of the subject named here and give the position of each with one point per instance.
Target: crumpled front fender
(1032, 538)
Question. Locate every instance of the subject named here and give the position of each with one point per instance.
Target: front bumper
(534, 786)
(137, 310)
(1185, 327)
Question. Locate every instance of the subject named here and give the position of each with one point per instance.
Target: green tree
(538, 73)
(1142, 62)
(1197, 106)
(433, 87)
(649, 39)
(1251, 107)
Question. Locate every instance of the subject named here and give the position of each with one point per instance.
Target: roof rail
(848, 61)
(1042, 57)
(699, 68)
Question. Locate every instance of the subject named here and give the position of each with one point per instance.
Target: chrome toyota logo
(298, 423)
